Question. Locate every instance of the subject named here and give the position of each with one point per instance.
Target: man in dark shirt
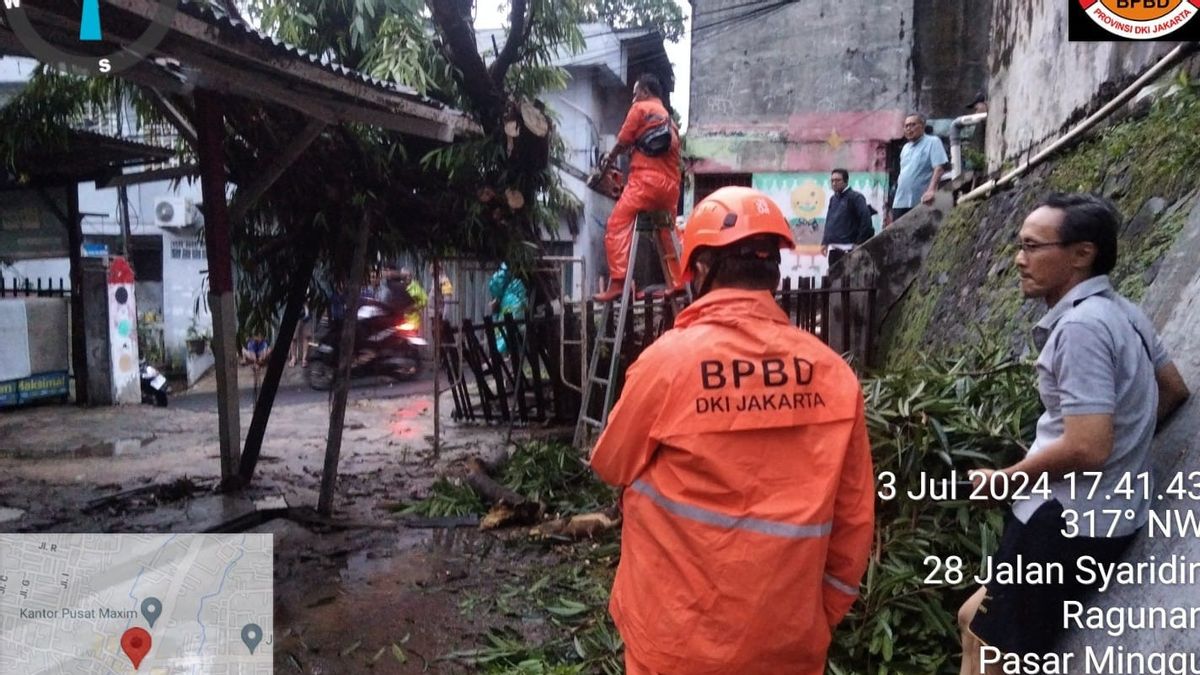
(848, 221)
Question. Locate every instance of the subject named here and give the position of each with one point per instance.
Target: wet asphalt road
(294, 391)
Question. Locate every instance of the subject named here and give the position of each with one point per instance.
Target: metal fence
(539, 376)
(39, 287)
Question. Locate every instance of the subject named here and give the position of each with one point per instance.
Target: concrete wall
(182, 257)
(805, 87)
(813, 86)
(1030, 55)
(950, 54)
(181, 287)
(583, 125)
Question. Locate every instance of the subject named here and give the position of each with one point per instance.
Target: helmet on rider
(733, 223)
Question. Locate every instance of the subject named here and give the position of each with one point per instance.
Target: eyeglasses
(1033, 246)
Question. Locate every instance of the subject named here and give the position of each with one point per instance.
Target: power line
(738, 19)
(718, 10)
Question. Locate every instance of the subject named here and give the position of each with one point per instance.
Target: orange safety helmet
(730, 215)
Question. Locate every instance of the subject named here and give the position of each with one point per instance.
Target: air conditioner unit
(174, 212)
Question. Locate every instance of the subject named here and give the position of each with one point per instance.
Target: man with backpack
(654, 179)
(848, 221)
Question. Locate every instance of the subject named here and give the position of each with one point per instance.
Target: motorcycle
(385, 345)
(154, 385)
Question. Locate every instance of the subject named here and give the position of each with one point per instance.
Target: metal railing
(526, 382)
(37, 287)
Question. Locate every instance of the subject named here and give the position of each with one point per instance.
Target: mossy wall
(1148, 164)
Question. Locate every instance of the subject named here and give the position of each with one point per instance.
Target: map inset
(145, 603)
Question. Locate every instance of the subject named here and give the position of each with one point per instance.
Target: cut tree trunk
(508, 507)
(516, 200)
(528, 130)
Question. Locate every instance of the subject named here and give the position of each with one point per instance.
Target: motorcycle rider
(405, 296)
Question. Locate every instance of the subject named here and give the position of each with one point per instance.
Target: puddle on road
(411, 560)
(459, 540)
(124, 446)
(403, 424)
(117, 448)
(398, 583)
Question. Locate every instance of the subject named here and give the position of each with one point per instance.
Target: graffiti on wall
(122, 332)
(804, 198)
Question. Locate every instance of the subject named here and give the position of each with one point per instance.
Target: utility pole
(123, 196)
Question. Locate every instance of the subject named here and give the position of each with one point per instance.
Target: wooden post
(266, 399)
(211, 131)
(78, 331)
(438, 309)
(341, 381)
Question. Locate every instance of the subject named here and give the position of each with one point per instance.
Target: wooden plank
(149, 176)
(174, 115)
(345, 360)
(450, 365)
(245, 197)
(517, 354)
(497, 367)
(220, 278)
(533, 349)
(475, 357)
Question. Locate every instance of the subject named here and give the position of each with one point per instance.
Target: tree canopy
(492, 195)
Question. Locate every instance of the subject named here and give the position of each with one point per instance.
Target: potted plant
(197, 339)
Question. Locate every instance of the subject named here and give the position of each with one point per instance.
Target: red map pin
(136, 644)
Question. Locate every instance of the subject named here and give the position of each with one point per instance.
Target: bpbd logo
(90, 32)
(1102, 20)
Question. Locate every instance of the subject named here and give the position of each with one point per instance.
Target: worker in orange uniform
(653, 185)
(741, 446)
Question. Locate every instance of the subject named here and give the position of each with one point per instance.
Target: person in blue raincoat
(508, 297)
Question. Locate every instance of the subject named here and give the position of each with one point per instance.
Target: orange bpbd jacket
(741, 443)
(642, 116)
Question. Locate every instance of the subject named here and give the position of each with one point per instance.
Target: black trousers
(834, 255)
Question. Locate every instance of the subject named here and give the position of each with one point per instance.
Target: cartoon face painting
(808, 200)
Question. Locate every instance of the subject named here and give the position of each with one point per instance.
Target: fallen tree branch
(508, 507)
(582, 526)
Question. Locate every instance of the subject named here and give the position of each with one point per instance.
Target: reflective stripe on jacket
(749, 502)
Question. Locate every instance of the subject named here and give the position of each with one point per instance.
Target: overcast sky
(492, 14)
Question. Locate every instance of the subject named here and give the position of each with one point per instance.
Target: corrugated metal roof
(215, 15)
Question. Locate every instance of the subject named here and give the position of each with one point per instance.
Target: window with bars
(708, 183)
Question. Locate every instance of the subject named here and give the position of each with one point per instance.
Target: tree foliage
(427, 198)
(926, 421)
(664, 15)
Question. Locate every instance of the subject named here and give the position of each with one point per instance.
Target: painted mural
(122, 332)
(804, 198)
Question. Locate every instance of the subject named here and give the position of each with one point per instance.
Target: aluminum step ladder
(661, 228)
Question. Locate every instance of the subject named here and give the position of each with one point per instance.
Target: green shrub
(927, 420)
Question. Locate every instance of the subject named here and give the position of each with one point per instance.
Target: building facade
(783, 93)
(163, 245)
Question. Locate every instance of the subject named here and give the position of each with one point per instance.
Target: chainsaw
(608, 183)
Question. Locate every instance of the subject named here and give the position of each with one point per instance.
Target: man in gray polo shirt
(1105, 381)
